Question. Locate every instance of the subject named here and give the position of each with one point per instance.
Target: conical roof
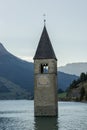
(45, 49)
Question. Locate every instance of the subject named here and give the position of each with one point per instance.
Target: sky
(22, 22)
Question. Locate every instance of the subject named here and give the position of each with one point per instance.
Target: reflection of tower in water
(46, 123)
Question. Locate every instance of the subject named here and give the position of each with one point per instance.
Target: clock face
(43, 80)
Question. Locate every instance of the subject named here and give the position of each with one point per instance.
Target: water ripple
(19, 115)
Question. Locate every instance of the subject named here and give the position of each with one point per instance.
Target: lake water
(19, 115)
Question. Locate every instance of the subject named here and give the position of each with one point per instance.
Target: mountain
(17, 77)
(10, 90)
(78, 89)
(64, 80)
(16, 70)
(74, 68)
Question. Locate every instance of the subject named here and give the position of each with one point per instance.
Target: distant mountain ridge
(64, 80)
(16, 70)
(10, 90)
(20, 74)
(3, 51)
(74, 68)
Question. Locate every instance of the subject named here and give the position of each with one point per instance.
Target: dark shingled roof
(45, 49)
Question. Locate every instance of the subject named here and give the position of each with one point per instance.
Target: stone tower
(45, 78)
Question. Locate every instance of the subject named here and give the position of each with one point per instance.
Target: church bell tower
(45, 78)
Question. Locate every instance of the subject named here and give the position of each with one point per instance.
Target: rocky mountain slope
(78, 89)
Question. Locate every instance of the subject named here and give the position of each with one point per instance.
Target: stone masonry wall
(45, 90)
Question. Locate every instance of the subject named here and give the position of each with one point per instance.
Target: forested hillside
(78, 89)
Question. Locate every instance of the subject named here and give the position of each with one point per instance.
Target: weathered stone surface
(46, 111)
(45, 91)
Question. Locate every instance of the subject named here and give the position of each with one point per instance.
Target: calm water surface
(19, 115)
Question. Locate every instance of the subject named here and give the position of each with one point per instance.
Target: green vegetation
(62, 95)
(82, 93)
(82, 78)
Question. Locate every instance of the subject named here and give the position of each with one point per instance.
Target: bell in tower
(45, 78)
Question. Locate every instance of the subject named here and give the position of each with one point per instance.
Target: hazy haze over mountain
(74, 68)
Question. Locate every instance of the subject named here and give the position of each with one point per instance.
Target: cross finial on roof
(44, 15)
(45, 49)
